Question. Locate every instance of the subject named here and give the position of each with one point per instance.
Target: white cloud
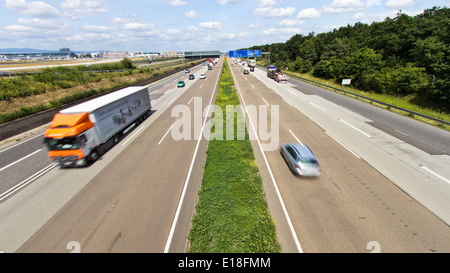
(138, 26)
(173, 31)
(97, 29)
(38, 9)
(342, 6)
(253, 25)
(291, 22)
(77, 9)
(399, 3)
(265, 3)
(224, 2)
(192, 28)
(269, 11)
(81, 8)
(281, 31)
(177, 3)
(211, 25)
(191, 14)
(308, 13)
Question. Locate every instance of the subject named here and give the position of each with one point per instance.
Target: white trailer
(84, 131)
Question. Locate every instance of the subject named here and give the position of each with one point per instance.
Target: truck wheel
(94, 156)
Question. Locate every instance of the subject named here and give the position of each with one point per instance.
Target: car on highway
(300, 159)
(246, 71)
(180, 84)
(203, 76)
(186, 71)
(191, 77)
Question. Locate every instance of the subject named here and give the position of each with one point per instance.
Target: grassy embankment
(411, 102)
(232, 214)
(25, 95)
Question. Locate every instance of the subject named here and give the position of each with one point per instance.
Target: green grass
(232, 214)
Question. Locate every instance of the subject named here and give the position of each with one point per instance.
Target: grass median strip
(232, 214)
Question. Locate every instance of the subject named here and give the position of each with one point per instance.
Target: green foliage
(50, 79)
(400, 56)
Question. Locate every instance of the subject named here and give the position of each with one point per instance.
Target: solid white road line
(355, 128)
(317, 106)
(17, 161)
(343, 145)
(170, 128)
(283, 206)
(27, 181)
(298, 140)
(435, 174)
(132, 136)
(186, 182)
(25, 141)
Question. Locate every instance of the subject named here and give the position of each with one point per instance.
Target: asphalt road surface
(352, 206)
(127, 201)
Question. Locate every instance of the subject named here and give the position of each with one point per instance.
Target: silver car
(300, 159)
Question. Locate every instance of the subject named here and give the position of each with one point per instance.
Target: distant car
(186, 71)
(209, 67)
(203, 76)
(300, 159)
(180, 84)
(191, 77)
(246, 71)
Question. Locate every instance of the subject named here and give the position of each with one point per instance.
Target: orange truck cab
(69, 138)
(81, 133)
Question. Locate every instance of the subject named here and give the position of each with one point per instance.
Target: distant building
(115, 54)
(63, 53)
(149, 55)
(171, 54)
(64, 50)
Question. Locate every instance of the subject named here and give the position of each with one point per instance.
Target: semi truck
(271, 71)
(252, 64)
(82, 133)
(275, 73)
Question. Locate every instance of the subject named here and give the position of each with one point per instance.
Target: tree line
(405, 55)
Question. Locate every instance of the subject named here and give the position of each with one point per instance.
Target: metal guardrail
(443, 122)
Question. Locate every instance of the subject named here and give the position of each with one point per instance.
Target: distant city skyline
(183, 25)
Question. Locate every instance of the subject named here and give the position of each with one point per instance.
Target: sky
(183, 25)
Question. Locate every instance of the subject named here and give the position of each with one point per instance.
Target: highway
(378, 190)
(372, 194)
(135, 188)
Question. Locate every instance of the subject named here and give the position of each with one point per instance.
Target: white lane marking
(265, 101)
(201, 85)
(190, 100)
(298, 140)
(343, 145)
(133, 135)
(283, 206)
(355, 128)
(183, 193)
(252, 86)
(25, 141)
(435, 174)
(170, 128)
(317, 106)
(17, 161)
(170, 102)
(30, 179)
